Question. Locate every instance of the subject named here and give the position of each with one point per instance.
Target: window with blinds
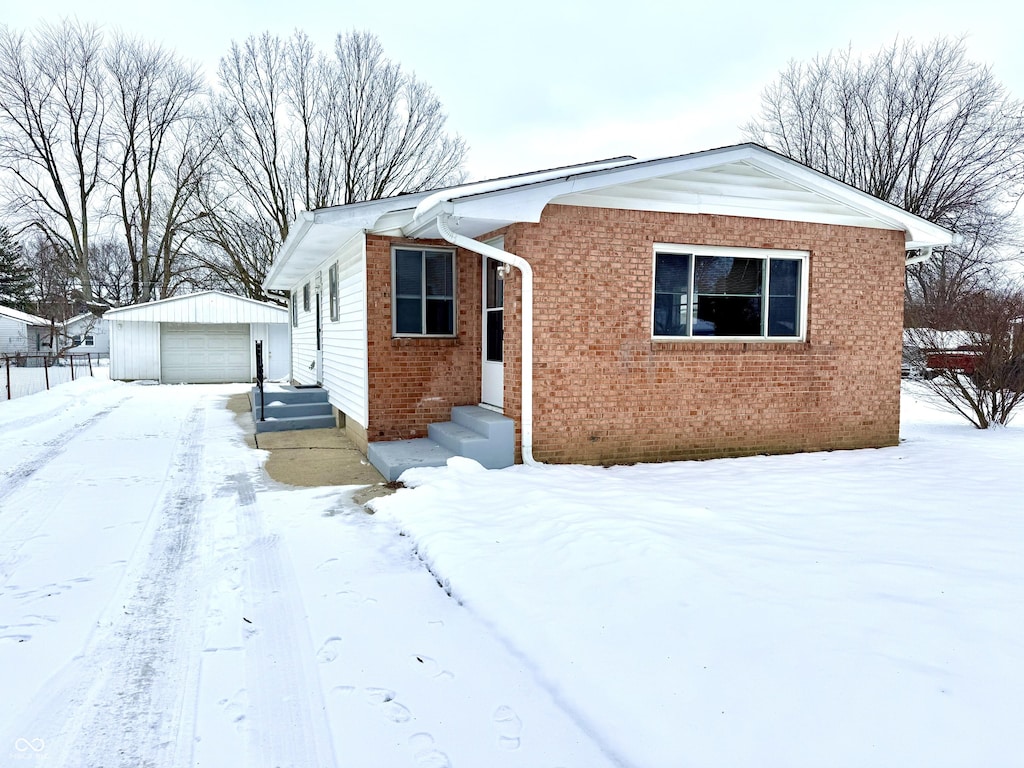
(423, 289)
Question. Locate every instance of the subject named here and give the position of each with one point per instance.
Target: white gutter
(527, 321)
(923, 254)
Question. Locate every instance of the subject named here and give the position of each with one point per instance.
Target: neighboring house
(23, 334)
(720, 303)
(200, 338)
(86, 334)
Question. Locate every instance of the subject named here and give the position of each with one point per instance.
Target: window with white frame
(741, 293)
(423, 288)
(89, 340)
(332, 288)
(305, 298)
(295, 308)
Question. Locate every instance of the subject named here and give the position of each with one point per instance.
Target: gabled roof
(23, 317)
(87, 317)
(203, 307)
(743, 180)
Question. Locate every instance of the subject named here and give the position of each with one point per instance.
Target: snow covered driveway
(160, 605)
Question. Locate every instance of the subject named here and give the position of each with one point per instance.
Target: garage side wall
(134, 350)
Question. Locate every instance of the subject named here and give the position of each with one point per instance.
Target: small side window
(305, 298)
(332, 279)
(294, 301)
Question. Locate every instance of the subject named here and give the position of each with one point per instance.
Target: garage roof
(208, 307)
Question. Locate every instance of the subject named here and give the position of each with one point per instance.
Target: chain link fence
(22, 375)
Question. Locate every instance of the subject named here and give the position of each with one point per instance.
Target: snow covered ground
(162, 603)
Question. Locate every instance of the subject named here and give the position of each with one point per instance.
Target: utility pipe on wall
(444, 227)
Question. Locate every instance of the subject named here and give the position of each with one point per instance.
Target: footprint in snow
(235, 707)
(509, 727)
(431, 667)
(329, 650)
(426, 753)
(353, 597)
(391, 709)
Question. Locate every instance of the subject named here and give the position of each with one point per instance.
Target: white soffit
(735, 189)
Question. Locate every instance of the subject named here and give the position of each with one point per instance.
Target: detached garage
(201, 338)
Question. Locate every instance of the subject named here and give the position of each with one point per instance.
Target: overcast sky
(541, 83)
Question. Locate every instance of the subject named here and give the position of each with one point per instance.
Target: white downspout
(527, 332)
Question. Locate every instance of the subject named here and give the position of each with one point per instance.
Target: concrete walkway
(311, 457)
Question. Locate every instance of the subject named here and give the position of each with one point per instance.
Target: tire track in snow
(16, 530)
(137, 711)
(288, 727)
(12, 479)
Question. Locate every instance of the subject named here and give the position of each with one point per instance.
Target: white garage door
(204, 354)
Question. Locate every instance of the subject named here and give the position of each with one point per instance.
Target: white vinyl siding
(134, 351)
(345, 346)
(345, 359)
(13, 336)
(304, 345)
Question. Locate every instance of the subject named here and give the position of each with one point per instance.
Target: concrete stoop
(474, 432)
(289, 407)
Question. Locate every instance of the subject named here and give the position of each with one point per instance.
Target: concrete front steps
(289, 407)
(473, 432)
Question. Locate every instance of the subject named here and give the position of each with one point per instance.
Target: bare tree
(977, 370)
(53, 111)
(393, 126)
(921, 127)
(111, 270)
(301, 130)
(53, 279)
(158, 150)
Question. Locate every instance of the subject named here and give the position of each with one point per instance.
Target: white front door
(492, 383)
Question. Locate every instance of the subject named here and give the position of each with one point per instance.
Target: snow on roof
(23, 317)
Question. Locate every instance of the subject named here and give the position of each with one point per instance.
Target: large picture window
(423, 286)
(742, 293)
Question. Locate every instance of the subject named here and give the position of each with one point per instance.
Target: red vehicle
(962, 359)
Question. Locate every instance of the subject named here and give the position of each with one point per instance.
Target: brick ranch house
(720, 303)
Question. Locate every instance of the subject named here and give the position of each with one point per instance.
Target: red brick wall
(414, 382)
(605, 392)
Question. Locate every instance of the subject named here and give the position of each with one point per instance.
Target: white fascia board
(316, 235)
(151, 311)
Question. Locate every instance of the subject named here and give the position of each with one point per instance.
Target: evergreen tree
(15, 277)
